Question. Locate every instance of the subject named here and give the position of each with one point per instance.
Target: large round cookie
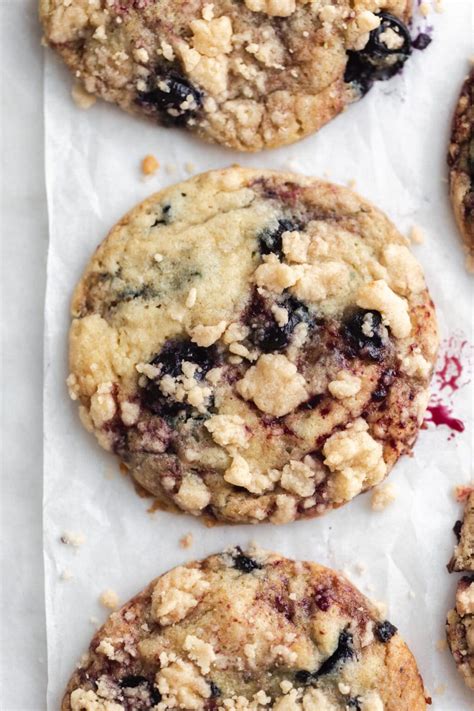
(247, 631)
(246, 73)
(461, 166)
(253, 345)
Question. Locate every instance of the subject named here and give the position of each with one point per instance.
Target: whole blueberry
(384, 631)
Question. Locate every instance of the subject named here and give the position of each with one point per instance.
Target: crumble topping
(345, 385)
(355, 458)
(176, 593)
(180, 684)
(378, 295)
(205, 336)
(228, 430)
(200, 652)
(193, 495)
(274, 385)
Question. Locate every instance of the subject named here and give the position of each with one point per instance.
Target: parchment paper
(393, 144)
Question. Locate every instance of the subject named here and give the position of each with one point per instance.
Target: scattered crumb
(381, 608)
(441, 645)
(360, 568)
(186, 541)
(81, 97)
(149, 165)
(73, 539)
(417, 236)
(440, 689)
(94, 621)
(382, 497)
(462, 492)
(438, 5)
(190, 168)
(170, 168)
(351, 184)
(109, 599)
(425, 9)
(66, 575)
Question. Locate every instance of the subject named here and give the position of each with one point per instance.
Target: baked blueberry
(384, 55)
(270, 239)
(384, 631)
(243, 563)
(344, 651)
(174, 98)
(363, 331)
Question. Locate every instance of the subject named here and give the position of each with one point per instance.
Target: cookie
(461, 166)
(247, 631)
(253, 345)
(463, 558)
(248, 74)
(460, 630)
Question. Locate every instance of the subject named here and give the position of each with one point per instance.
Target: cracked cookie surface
(253, 345)
(461, 167)
(460, 630)
(241, 631)
(248, 74)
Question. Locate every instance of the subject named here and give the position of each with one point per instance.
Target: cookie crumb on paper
(382, 497)
(81, 97)
(109, 599)
(186, 541)
(462, 492)
(74, 539)
(149, 165)
(417, 235)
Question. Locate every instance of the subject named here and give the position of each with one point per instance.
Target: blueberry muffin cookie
(463, 558)
(247, 631)
(248, 74)
(460, 630)
(461, 166)
(253, 345)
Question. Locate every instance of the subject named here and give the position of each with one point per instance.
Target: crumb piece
(109, 599)
(345, 385)
(205, 336)
(190, 167)
(351, 184)
(381, 608)
(170, 168)
(66, 575)
(441, 645)
(94, 621)
(425, 9)
(191, 298)
(73, 539)
(158, 257)
(382, 497)
(274, 385)
(417, 235)
(81, 97)
(200, 652)
(186, 541)
(438, 6)
(149, 165)
(360, 568)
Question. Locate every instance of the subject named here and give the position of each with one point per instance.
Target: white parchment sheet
(393, 144)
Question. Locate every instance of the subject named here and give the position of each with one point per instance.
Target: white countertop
(24, 243)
